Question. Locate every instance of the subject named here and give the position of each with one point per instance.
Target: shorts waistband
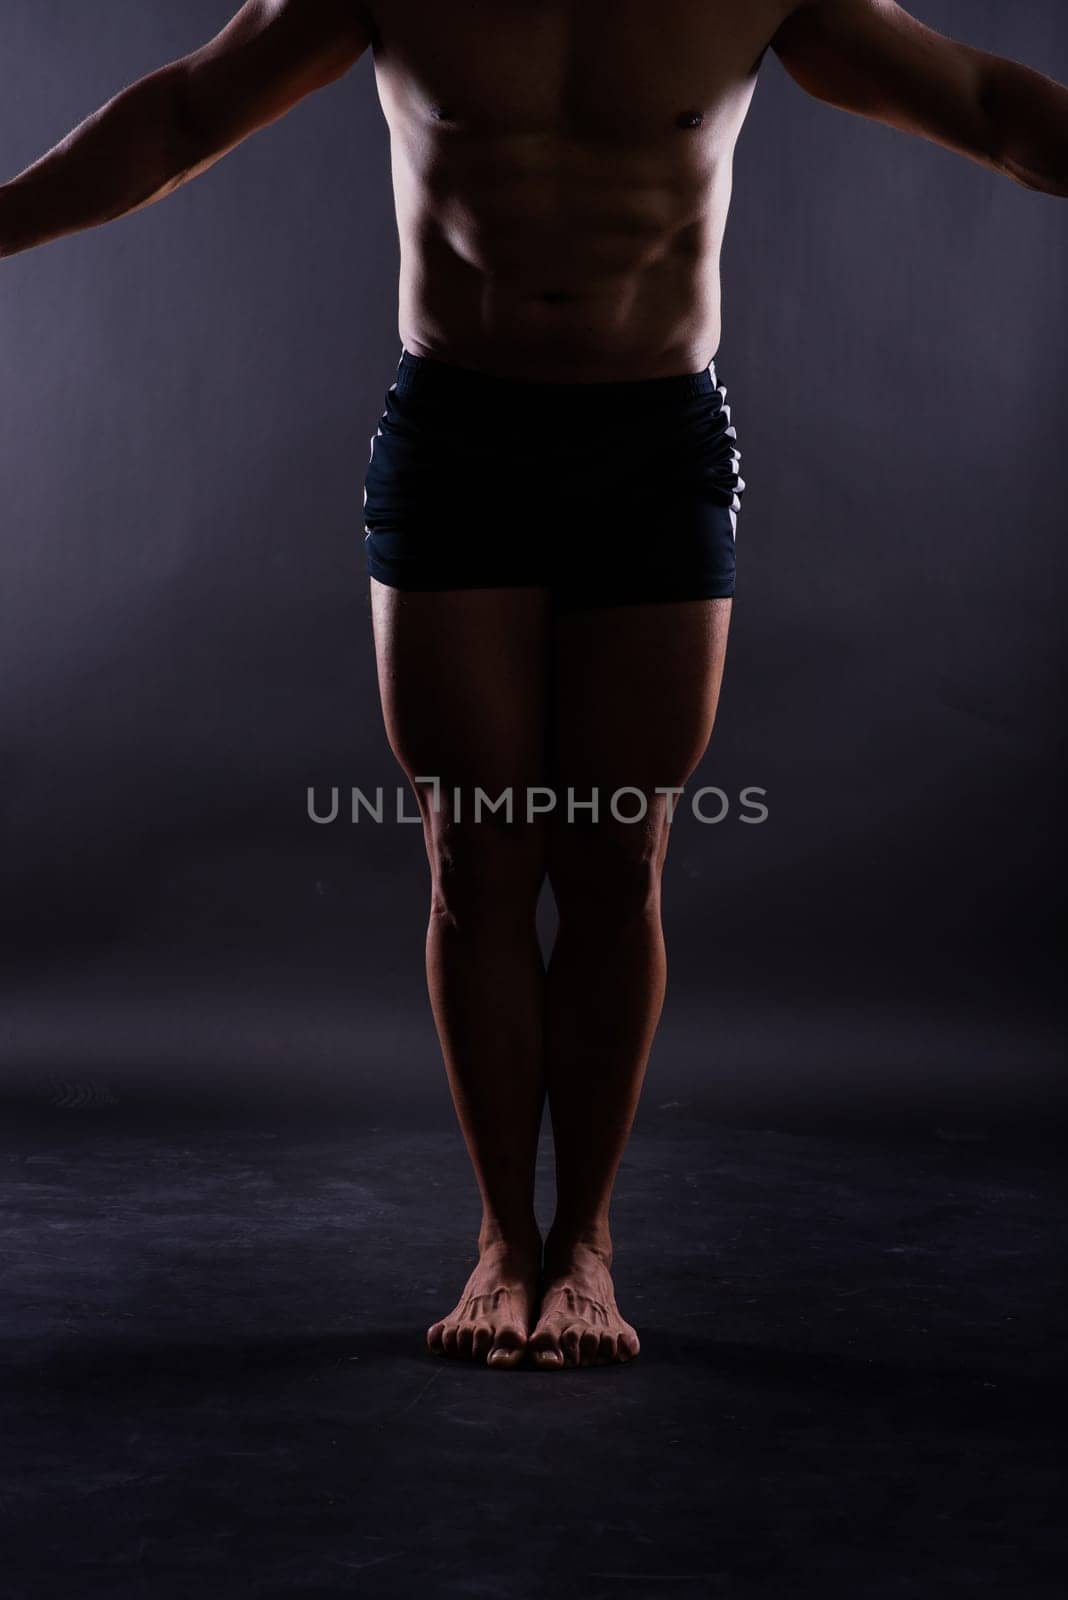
(427, 376)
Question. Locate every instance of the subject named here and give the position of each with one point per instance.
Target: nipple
(689, 119)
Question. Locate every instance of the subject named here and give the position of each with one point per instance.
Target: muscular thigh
(636, 691)
(462, 676)
(635, 697)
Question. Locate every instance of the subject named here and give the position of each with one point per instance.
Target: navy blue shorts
(604, 493)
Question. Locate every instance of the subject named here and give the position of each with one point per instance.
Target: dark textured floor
(214, 1382)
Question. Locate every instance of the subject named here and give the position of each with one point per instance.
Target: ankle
(565, 1243)
(519, 1242)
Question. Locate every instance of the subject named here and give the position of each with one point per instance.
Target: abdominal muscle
(546, 269)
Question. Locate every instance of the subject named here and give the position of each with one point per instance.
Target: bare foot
(491, 1320)
(579, 1324)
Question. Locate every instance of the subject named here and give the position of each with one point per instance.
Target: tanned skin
(562, 173)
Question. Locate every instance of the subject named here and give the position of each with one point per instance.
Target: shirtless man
(552, 497)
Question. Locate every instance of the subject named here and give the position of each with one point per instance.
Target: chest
(600, 69)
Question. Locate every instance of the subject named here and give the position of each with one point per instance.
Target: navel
(440, 114)
(689, 119)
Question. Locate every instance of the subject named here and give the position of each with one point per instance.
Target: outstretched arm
(177, 122)
(871, 57)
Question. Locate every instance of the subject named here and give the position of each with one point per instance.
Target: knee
(608, 871)
(485, 873)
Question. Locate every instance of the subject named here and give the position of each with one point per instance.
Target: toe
(589, 1344)
(481, 1342)
(464, 1337)
(569, 1344)
(544, 1348)
(506, 1347)
(503, 1355)
(627, 1345)
(433, 1337)
(606, 1350)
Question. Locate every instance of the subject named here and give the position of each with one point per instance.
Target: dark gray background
(188, 396)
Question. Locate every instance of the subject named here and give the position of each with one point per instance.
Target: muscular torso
(562, 172)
